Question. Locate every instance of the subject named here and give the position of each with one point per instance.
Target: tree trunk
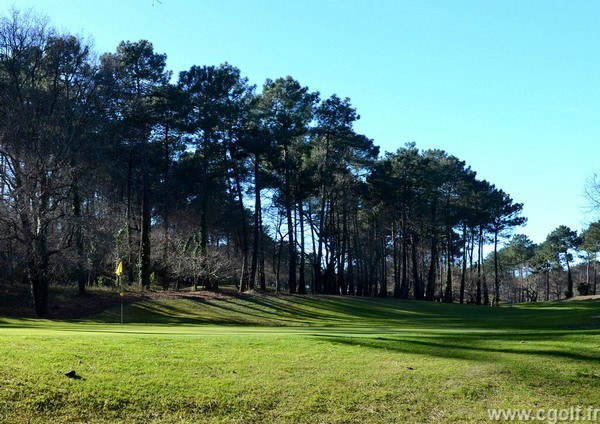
(430, 290)
(350, 274)
(479, 294)
(144, 258)
(245, 283)
(39, 290)
(165, 251)
(569, 293)
(257, 224)
(547, 285)
(404, 257)
(463, 276)
(394, 234)
(383, 285)
(587, 270)
(595, 273)
(448, 291)
(204, 227)
(486, 293)
(356, 279)
(496, 276)
(277, 265)
(418, 290)
(289, 211)
(302, 278)
(38, 262)
(341, 282)
(261, 255)
(128, 218)
(471, 267)
(319, 283)
(81, 260)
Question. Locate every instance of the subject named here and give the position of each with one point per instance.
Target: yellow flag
(119, 271)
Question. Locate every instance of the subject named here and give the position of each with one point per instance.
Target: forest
(203, 179)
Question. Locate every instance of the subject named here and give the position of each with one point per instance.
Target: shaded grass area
(64, 301)
(290, 310)
(295, 359)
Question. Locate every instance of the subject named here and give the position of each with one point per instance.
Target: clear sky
(512, 87)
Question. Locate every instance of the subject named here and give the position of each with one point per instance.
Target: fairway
(257, 358)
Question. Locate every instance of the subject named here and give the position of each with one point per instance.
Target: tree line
(203, 179)
(561, 266)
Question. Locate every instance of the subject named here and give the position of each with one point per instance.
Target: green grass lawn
(300, 359)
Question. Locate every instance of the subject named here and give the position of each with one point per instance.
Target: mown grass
(265, 310)
(300, 359)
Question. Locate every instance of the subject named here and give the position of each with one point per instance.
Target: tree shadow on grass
(467, 347)
(171, 313)
(334, 310)
(344, 312)
(370, 309)
(221, 311)
(240, 309)
(292, 309)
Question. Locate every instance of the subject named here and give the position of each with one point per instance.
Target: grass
(295, 359)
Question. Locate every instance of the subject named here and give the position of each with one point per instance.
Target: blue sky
(512, 87)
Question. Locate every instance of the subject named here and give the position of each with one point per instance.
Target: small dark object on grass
(71, 374)
(410, 368)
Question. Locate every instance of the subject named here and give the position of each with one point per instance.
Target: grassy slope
(300, 359)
